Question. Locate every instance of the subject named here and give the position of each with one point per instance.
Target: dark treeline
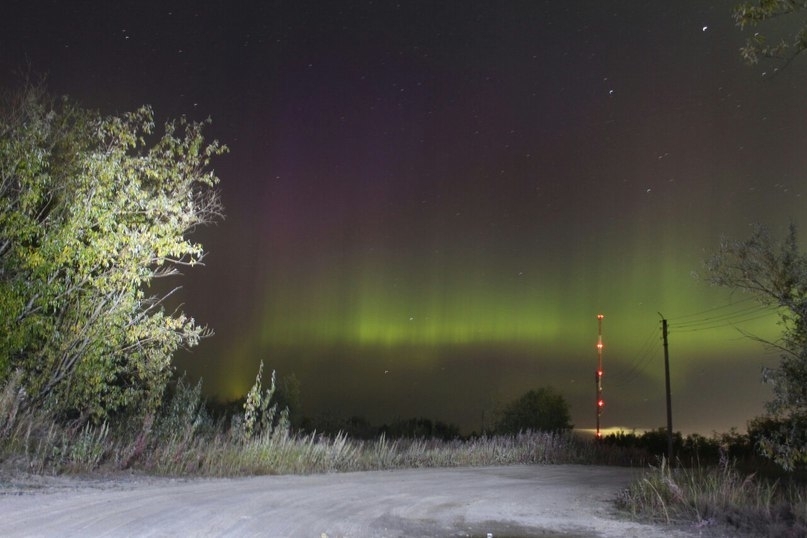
(694, 450)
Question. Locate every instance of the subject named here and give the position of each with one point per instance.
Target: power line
(639, 355)
(721, 307)
(723, 324)
(728, 318)
(737, 316)
(626, 375)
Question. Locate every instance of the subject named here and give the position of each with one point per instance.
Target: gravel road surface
(523, 500)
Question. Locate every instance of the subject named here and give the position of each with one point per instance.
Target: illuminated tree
(91, 215)
(776, 273)
(538, 410)
(752, 14)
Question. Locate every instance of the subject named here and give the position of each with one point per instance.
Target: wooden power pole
(667, 384)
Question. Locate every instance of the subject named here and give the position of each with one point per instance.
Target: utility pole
(599, 402)
(667, 383)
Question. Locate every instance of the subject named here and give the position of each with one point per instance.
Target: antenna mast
(599, 402)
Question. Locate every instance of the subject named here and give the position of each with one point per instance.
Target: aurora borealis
(429, 203)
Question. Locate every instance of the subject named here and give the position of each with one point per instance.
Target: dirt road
(536, 500)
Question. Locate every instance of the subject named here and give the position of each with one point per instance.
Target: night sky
(428, 203)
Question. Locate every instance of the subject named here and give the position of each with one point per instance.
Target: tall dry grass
(184, 440)
(717, 495)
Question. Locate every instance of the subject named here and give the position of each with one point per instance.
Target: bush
(90, 216)
(538, 410)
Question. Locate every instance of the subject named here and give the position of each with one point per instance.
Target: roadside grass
(703, 496)
(183, 440)
(40, 446)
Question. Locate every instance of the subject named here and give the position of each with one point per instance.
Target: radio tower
(599, 402)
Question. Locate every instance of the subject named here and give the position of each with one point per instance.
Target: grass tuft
(704, 496)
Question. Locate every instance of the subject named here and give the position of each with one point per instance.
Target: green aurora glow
(517, 325)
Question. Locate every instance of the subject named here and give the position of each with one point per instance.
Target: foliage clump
(94, 210)
(541, 409)
(775, 272)
(752, 14)
(261, 415)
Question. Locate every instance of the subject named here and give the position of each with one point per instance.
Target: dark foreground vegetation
(717, 482)
(720, 481)
(183, 439)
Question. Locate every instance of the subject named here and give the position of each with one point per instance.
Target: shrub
(540, 410)
(90, 216)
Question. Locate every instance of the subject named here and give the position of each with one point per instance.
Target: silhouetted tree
(775, 272)
(287, 396)
(542, 409)
(420, 428)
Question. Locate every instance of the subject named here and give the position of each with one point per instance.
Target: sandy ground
(535, 500)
